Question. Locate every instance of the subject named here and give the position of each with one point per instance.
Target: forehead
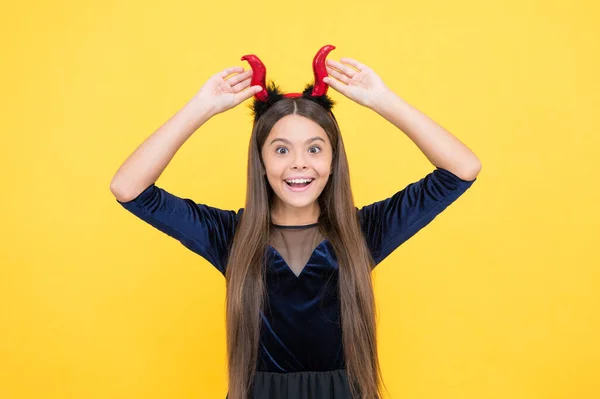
(296, 128)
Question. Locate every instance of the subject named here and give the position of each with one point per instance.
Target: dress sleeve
(205, 230)
(388, 223)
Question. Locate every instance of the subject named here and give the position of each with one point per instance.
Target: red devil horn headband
(269, 95)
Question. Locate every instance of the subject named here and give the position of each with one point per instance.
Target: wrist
(200, 110)
(385, 102)
(383, 99)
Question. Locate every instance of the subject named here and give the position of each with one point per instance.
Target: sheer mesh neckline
(295, 244)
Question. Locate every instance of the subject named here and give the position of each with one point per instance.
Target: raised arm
(206, 230)
(145, 165)
(388, 223)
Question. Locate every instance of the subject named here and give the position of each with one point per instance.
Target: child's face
(297, 147)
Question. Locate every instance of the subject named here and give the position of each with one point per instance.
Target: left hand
(361, 85)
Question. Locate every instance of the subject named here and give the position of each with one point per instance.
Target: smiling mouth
(299, 186)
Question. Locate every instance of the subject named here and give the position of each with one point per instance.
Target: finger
(338, 75)
(354, 63)
(235, 79)
(343, 68)
(337, 85)
(241, 86)
(246, 94)
(229, 71)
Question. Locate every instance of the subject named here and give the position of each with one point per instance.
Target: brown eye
(280, 148)
(317, 148)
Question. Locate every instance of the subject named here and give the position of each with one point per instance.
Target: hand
(362, 86)
(220, 95)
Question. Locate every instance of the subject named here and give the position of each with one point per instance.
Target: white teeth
(299, 181)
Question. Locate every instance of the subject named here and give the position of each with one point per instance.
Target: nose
(299, 167)
(299, 162)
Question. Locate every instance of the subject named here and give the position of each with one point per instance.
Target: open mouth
(298, 184)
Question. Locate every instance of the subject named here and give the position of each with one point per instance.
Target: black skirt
(301, 385)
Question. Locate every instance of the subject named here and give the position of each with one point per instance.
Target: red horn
(259, 74)
(320, 70)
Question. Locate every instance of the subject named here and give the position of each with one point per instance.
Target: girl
(298, 257)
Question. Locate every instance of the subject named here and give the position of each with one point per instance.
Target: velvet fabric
(301, 329)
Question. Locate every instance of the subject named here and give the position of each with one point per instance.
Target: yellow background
(497, 298)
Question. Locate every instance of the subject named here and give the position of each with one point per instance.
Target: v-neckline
(307, 262)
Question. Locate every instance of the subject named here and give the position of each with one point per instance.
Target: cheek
(274, 170)
(271, 175)
(274, 173)
(324, 167)
(270, 165)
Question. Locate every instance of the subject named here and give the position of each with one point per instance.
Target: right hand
(220, 95)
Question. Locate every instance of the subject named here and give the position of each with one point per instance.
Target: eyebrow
(288, 142)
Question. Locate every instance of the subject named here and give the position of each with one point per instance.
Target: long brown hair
(338, 221)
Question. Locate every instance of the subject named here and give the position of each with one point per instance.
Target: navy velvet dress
(300, 348)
